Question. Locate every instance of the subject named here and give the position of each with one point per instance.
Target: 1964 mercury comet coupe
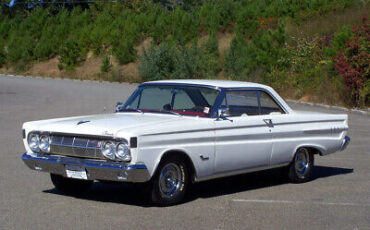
(172, 133)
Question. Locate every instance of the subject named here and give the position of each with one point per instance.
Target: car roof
(213, 83)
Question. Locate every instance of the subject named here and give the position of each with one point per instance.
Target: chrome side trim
(243, 127)
(242, 171)
(96, 169)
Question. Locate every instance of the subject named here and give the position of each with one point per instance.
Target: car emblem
(82, 122)
(106, 133)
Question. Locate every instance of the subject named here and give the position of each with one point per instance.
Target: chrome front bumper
(95, 169)
(345, 143)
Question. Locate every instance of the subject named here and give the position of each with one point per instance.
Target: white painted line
(301, 202)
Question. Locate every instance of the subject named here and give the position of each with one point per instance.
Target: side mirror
(222, 112)
(119, 106)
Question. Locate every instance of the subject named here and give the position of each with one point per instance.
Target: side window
(268, 105)
(242, 103)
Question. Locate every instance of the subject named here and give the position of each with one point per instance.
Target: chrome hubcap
(170, 180)
(302, 162)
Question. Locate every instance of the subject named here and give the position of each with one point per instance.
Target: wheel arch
(314, 149)
(181, 153)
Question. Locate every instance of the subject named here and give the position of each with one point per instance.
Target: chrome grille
(75, 146)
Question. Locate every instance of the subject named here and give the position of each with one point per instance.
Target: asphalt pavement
(337, 198)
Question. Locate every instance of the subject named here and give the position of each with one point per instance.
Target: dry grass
(5, 70)
(48, 68)
(144, 45)
(224, 42)
(88, 70)
(327, 24)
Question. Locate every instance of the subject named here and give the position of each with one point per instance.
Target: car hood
(102, 124)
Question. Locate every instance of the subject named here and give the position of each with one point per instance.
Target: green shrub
(184, 26)
(246, 21)
(167, 61)
(125, 52)
(341, 37)
(353, 65)
(158, 62)
(45, 49)
(195, 62)
(218, 14)
(70, 54)
(268, 49)
(21, 48)
(211, 46)
(5, 27)
(96, 39)
(2, 54)
(161, 27)
(240, 59)
(106, 66)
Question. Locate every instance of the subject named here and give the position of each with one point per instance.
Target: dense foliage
(166, 61)
(353, 63)
(185, 42)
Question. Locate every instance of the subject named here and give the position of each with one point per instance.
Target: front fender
(153, 158)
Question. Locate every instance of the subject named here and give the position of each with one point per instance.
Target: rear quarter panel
(323, 132)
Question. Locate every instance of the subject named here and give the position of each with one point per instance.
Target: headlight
(109, 150)
(44, 144)
(123, 152)
(33, 141)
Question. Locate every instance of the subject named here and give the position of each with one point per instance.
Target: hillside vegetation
(315, 50)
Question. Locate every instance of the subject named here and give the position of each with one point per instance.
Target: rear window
(268, 104)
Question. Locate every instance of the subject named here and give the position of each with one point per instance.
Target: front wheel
(70, 186)
(301, 168)
(170, 182)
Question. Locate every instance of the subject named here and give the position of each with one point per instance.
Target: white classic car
(170, 134)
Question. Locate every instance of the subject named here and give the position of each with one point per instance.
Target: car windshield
(183, 100)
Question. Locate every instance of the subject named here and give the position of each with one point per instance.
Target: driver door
(243, 139)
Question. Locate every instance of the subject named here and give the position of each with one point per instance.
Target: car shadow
(130, 194)
(253, 181)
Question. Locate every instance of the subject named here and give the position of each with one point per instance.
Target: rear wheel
(301, 168)
(170, 182)
(69, 185)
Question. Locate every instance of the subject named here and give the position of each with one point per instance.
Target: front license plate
(76, 172)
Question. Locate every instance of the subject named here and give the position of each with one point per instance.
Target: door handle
(204, 158)
(268, 122)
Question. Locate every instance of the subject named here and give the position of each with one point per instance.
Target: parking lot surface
(337, 198)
